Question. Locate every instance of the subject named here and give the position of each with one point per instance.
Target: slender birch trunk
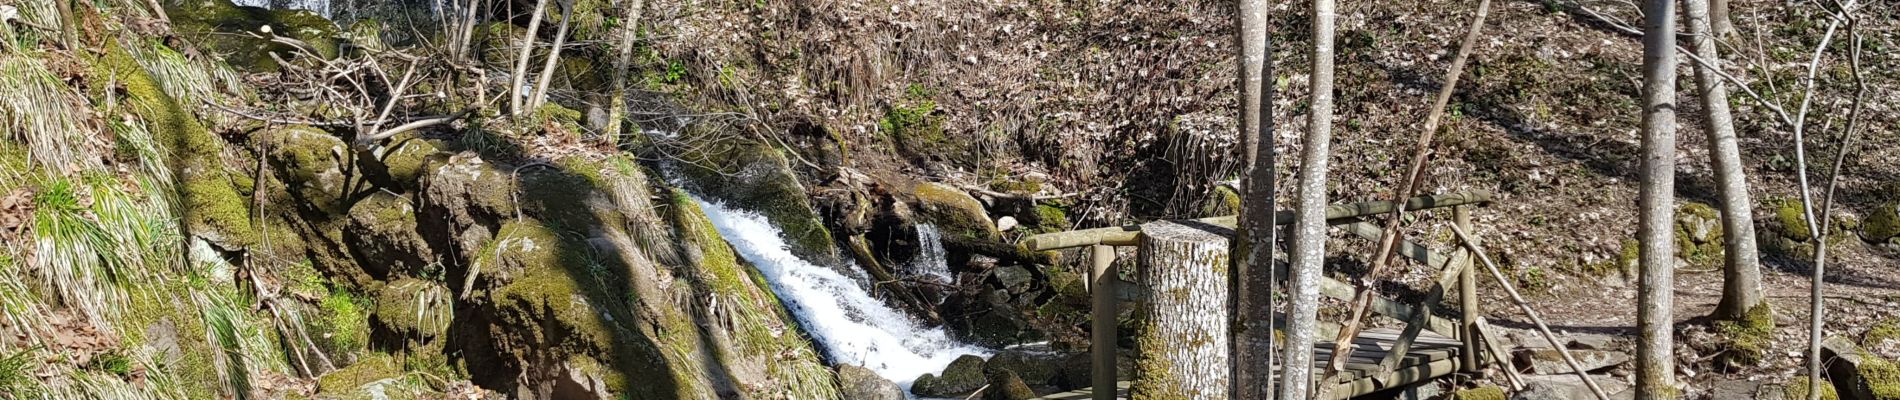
(1252, 274)
(617, 105)
(515, 93)
(554, 58)
(1741, 280)
(1309, 229)
(1723, 26)
(1655, 361)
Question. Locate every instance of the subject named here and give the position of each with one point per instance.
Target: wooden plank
(1125, 235)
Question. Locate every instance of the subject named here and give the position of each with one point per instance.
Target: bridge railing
(1108, 290)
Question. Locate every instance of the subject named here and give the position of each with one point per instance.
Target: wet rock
(1034, 369)
(758, 178)
(1551, 362)
(953, 211)
(1005, 385)
(859, 383)
(962, 377)
(1016, 279)
(1077, 369)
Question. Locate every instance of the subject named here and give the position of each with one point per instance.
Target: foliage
(16, 374)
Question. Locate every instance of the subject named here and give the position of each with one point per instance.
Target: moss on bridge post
(1183, 338)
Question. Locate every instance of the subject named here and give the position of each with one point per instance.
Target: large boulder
(757, 178)
(226, 28)
(415, 309)
(1032, 368)
(953, 212)
(1883, 224)
(1005, 385)
(859, 383)
(382, 231)
(962, 377)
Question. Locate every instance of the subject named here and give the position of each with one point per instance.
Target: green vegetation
(1798, 389)
(954, 212)
(1882, 332)
(16, 374)
(1881, 378)
(1749, 339)
(1480, 393)
(1793, 219)
(1882, 224)
(344, 320)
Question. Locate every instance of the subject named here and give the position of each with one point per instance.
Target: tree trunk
(1655, 359)
(1723, 26)
(554, 58)
(1309, 225)
(1741, 280)
(617, 105)
(1251, 278)
(1183, 341)
(515, 93)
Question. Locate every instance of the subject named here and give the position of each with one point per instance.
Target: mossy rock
(1882, 224)
(384, 236)
(371, 368)
(212, 207)
(310, 162)
(963, 376)
(1747, 341)
(1797, 389)
(465, 192)
(1698, 233)
(406, 160)
(415, 309)
(757, 178)
(1005, 385)
(1880, 378)
(224, 28)
(1881, 333)
(1479, 393)
(1791, 217)
(954, 212)
(342, 325)
(1223, 201)
(1036, 369)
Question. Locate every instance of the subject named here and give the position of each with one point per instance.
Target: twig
(414, 125)
(1464, 239)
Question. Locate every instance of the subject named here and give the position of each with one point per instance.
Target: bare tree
(1309, 226)
(1655, 360)
(1741, 279)
(554, 58)
(617, 105)
(1718, 11)
(1251, 277)
(516, 90)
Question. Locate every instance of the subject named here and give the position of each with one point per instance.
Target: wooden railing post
(1103, 313)
(1468, 296)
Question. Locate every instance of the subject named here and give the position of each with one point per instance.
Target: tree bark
(1251, 277)
(1655, 369)
(1309, 225)
(1183, 341)
(1723, 26)
(1741, 280)
(554, 58)
(617, 104)
(515, 93)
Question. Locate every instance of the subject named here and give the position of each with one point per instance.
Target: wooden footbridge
(1183, 345)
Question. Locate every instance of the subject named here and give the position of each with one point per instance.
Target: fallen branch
(414, 125)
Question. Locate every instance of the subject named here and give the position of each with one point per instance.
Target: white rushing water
(930, 259)
(853, 327)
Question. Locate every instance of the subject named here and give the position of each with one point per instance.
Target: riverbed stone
(1005, 385)
(860, 383)
(1032, 368)
(962, 377)
(1551, 362)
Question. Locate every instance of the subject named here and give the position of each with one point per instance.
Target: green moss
(1051, 218)
(753, 177)
(1882, 332)
(717, 261)
(1225, 201)
(372, 367)
(1882, 224)
(560, 116)
(415, 308)
(954, 212)
(226, 28)
(916, 127)
(1480, 393)
(344, 322)
(1793, 219)
(211, 206)
(407, 160)
(1881, 378)
(1797, 389)
(1749, 339)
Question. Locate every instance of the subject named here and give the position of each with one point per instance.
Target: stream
(842, 317)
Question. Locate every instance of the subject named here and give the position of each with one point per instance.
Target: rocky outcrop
(962, 377)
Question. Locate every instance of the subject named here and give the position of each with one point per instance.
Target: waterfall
(852, 326)
(930, 259)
